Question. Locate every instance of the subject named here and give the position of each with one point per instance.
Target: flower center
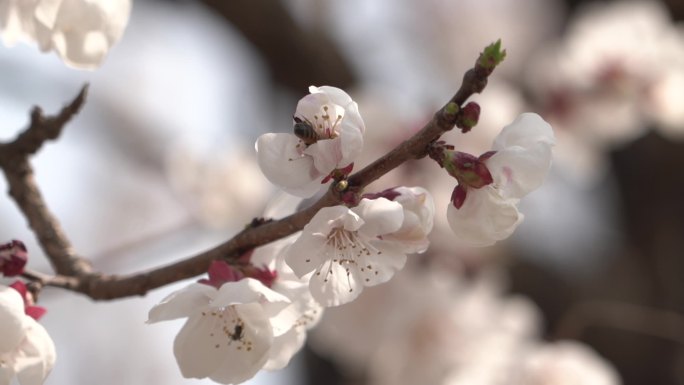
(227, 328)
(352, 252)
(326, 124)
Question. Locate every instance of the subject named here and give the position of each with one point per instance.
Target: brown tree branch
(100, 286)
(23, 189)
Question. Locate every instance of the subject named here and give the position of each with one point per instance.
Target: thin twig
(24, 190)
(650, 321)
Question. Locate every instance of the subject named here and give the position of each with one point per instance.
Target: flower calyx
(29, 297)
(221, 272)
(469, 170)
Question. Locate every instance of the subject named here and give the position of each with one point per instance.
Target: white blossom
(336, 138)
(345, 251)
(299, 316)
(520, 164)
(229, 331)
(419, 214)
(26, 349)
(81, 32)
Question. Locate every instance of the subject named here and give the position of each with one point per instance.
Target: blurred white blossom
(81, 32)
(26, 349)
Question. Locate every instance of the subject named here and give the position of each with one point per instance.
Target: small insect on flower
(304, 130)
(238, 332)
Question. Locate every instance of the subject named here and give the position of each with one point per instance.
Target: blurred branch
(23, 189)
(297, 58)
(74, 273)
(630, 317)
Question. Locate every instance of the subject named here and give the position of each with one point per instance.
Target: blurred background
(160, 165)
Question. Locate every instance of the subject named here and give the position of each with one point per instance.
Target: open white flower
(26, 349)
(330, 137)
(81, 32)
(229, 331)
(519, 165)
(301, 314)
(345, 249)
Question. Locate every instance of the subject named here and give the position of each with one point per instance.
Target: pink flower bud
(13, 257)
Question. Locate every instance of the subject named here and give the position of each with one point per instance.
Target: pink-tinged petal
(249, 290)
(381, 216)
(240, 365)
(335, 285)
(283, 165)
(326, 155)
(36, 356)
(517, 171)
(182, 303)
(527, 130)
(13, 321)
(419, 213)
(484, 218)
(310, 105)
(376, 269)
(334, 94)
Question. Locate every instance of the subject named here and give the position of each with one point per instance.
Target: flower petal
(381, 216)
(204, 347)
(182, 303)
(517, 171)
(37, 355)
(419, 214)
(334, 94)
(285, 347)
(240, 365)
(484, 218)
(335, 285)
(283, 165)
(326, 155)
(527, 130)
(13, 321)
(377, 269)
(249, 290)
(351, 138)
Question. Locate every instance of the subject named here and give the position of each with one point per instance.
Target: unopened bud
(469, 116)
(492, 56)
(13, 257)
